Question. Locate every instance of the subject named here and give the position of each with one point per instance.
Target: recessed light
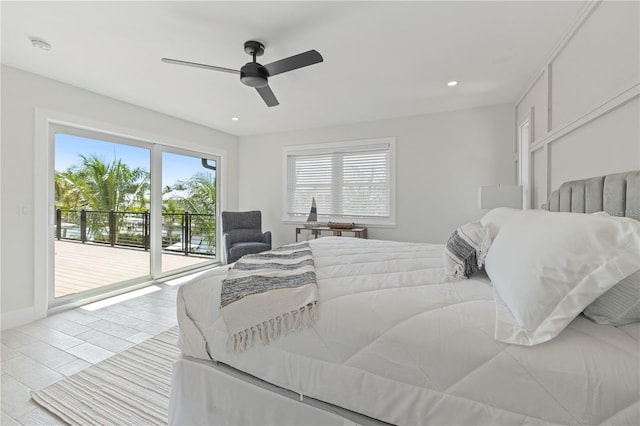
(40, 44)
(235, 118)
(452, 83)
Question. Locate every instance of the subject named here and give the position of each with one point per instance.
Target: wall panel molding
(589, 128)
(583, 15)
(603, 109)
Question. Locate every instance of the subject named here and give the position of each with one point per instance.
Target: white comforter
(396, 343)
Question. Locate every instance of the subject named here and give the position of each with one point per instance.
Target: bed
(397, 343)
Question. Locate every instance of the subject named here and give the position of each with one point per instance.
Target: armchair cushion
(243, 235)
(240, 249)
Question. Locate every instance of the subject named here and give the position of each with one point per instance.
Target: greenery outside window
(351, 181)
(126, 212)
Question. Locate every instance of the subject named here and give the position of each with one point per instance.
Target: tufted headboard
(617, 194)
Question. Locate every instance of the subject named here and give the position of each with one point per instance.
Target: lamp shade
(490, 197)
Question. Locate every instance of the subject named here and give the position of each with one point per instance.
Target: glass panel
(188, 211)
(102, 218)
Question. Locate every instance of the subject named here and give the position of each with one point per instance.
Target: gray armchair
(243, 234)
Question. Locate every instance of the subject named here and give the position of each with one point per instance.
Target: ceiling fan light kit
(256, 75)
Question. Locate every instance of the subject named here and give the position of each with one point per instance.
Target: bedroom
(466, 133)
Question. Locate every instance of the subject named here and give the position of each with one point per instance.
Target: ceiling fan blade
(268, 96)
(196, 65)
(293, 62)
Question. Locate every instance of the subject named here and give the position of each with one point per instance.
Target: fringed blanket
(269, 294)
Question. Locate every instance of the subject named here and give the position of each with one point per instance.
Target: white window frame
(330, 147)
(44, 204)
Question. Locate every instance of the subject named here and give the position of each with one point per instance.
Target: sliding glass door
(105, 238)
(188, 210)
(101, 212)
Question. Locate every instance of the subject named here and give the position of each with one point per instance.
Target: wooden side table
(316, 231)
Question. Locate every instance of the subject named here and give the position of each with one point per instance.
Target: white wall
(22, 93)
(586, 100)
(442, 159)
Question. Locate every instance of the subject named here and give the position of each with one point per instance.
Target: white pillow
(547, 267)
(495, 218)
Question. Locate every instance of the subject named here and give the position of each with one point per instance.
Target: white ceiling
(381, 59)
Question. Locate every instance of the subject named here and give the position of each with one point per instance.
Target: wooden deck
(80, 267)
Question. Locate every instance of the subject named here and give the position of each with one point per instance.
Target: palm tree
(170, 210)
(102, 186)
(67, 190)
(197, 195)
(112, 186)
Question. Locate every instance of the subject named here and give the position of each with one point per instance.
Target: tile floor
(42, 352)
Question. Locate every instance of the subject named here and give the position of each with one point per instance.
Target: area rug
(130, 388)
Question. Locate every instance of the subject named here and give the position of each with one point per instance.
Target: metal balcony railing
(188, 233)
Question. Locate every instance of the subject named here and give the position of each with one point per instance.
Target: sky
(175, 167)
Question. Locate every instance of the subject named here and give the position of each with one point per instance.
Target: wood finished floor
(80, 267)
(42, 352)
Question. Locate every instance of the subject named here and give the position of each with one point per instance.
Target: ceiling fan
(256, 75)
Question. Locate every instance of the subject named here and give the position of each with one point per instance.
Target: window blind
(347, 184)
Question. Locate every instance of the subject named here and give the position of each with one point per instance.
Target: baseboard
(19, 317)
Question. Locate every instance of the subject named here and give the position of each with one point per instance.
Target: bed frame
(617, 194)
(206, 393)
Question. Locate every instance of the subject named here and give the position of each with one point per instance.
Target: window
(350, 181)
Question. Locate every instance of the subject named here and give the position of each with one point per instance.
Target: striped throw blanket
(269, 294)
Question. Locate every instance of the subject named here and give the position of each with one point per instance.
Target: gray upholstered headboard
(617, 194)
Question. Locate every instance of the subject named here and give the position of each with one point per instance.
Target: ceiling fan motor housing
(254, 75)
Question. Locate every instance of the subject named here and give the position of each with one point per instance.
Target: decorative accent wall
(586, 100)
